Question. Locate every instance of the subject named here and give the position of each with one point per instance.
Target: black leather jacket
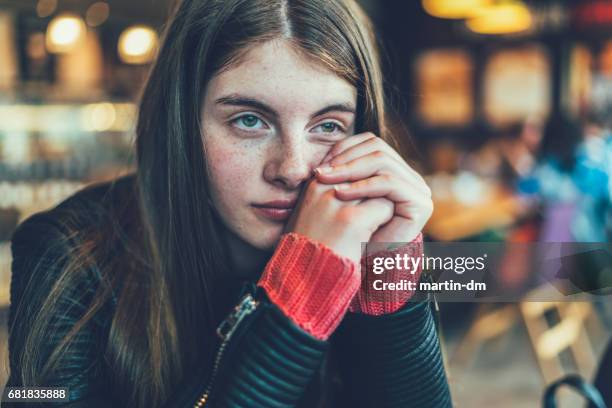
(264, 360)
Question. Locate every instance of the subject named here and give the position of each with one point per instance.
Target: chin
(265, 238)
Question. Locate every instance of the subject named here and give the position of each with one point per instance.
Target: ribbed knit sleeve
(377, 302)
(392, 360)
(310, 283)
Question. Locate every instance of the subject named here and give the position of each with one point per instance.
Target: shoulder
(44, 241)
(90, 209)
(53, 298)
(87, 207)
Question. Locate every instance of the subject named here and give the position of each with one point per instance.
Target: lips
(277, 210)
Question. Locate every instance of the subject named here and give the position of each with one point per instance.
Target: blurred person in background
(226, 270)
(571, 181)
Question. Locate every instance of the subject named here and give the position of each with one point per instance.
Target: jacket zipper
(225, 330)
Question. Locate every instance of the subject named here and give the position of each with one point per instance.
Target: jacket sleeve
(39, 254)
(269, 361)
(392, 360)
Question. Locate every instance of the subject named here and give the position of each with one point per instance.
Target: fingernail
(338, 187)
(324, 169)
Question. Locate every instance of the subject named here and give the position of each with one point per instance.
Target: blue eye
(329, 127)
(249, 122)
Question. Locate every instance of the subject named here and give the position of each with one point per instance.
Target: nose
(290, 164)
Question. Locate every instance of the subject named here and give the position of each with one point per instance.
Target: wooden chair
(548, 342)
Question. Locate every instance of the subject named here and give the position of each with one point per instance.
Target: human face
(267, 121)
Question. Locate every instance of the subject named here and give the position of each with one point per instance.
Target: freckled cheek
(233, 171)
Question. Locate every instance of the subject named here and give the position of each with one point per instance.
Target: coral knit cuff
(310, 283)
(379, 302)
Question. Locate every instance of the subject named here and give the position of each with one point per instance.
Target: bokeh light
(97, 14)
(138, 45)
(65, 33)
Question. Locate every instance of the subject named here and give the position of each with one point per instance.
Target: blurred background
(504, 106)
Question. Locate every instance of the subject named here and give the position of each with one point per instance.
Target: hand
(339, 224)
(365, 167)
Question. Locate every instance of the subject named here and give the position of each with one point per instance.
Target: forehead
(278, 74)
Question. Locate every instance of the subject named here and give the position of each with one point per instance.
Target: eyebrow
(236, 100)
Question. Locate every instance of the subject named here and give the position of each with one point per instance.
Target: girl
(226, 271)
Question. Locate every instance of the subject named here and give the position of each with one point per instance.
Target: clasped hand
(363, 191)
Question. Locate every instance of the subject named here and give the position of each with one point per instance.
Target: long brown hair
(164, 266)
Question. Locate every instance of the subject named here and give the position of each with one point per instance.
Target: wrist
(310, 283)
(369, 300)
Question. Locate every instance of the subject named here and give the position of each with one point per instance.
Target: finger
(375, 163)
(320, 189)
(367, 146)
(377, 211)
(373, 145)
(396, 230)
(362, 167)
(410, 203)
(380, 186)
(346, 143)
(355, 201)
